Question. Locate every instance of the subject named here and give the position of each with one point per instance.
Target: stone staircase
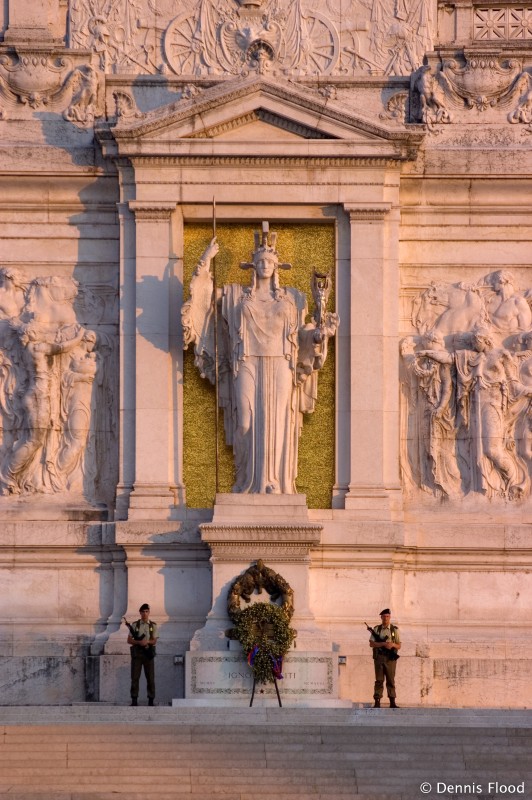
(98, 752)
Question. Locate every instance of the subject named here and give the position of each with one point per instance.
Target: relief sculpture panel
(218, 37)
(467, 389)
(54, 399)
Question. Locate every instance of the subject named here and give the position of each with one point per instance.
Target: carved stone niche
(33, 77)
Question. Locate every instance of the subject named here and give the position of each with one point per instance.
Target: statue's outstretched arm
(197, 314)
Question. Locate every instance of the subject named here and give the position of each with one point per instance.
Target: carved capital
(288, 543)
(362, 213)
(154, 212)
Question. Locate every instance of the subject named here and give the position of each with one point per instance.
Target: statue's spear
(215, 305)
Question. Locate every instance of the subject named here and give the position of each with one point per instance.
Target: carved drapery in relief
(54, 392)
(216, 37)
(467, 389)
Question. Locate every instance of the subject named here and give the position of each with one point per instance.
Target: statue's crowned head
(265, 252)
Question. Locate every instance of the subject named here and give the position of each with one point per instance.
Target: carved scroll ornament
(467, 390)
(39, 80)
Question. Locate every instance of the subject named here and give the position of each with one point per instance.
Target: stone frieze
(467, 390)
(234, 37)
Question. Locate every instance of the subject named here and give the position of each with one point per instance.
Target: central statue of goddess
(267, 358)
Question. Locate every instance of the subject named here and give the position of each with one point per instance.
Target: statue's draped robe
(263, 342)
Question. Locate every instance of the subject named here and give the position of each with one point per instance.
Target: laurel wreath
(250, 629)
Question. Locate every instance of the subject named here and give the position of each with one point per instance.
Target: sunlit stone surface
(388, 144)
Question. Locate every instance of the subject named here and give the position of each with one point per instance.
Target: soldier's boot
(151, 701)
(134, 701)
(377, 703)
(393, 704)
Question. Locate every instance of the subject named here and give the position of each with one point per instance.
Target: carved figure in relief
(486, 391)
(268, 363)
(76, 398)
(212, 37)
(523, 432)
(11, 293)
(431, 97)
(437, 434)
(448, 308)
(467, 389)
(508, 310)
(20, 472)
(48, 364)
(82, 109)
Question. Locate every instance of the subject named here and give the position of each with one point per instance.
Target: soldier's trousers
(138, 663)
(384, 668)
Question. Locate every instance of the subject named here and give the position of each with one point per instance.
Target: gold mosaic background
(306, 247)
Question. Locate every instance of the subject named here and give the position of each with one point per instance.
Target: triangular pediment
(263, 112)
(260, 125)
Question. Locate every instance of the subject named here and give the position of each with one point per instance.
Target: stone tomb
(216, 668)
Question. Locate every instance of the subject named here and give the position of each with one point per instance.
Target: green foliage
(266, 626)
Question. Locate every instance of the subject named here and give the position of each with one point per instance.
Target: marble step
(236, 759)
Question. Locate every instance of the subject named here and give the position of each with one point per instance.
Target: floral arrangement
(265, 634)
(263, 629)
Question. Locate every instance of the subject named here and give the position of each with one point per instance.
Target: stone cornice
(283, 162)
(376, 211)
(158, 211)
(306, 533)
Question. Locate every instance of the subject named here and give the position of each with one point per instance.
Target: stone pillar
(32, 21)
(156, 347)
(373, 391)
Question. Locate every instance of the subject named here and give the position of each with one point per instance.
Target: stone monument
(386, 461)
(254, 342)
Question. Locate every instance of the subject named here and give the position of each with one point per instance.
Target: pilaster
(155, 488)
(373, 390)
(31, 21)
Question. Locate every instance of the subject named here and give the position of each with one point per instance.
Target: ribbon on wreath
(277, 663)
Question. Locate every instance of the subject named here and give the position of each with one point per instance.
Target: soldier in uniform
(384, 665)
(143, 654)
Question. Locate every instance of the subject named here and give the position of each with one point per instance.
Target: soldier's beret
(144, 607)
(385, 611)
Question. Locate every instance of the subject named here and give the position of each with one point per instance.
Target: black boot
(393, 704)
(151, 701)
(134, 701)
(377, 703)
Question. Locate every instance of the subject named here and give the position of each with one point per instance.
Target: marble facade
(404, 127)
